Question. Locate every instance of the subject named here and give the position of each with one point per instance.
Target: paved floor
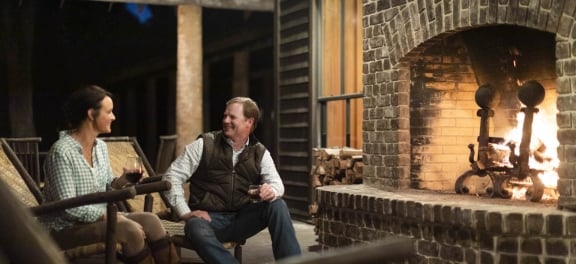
(258, 250)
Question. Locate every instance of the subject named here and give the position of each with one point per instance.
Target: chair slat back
(26, 149)
(119, 148)
(14, 174)
(166, 152)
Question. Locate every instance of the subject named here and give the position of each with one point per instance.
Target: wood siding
(294, 101)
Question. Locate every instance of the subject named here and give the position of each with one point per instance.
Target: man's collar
(229, 141)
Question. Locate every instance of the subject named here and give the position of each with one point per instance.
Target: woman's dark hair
(76, 107)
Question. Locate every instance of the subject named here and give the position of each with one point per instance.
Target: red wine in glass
(133, 177)
(133, 169)
(254, 192)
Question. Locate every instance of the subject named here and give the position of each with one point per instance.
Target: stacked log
(335, 166)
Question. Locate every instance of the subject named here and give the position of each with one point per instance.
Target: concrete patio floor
(258, 249)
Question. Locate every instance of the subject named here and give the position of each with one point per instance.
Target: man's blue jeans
(207, 237)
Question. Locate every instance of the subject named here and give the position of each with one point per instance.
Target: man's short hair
(251, 109)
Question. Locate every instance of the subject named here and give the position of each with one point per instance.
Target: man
(220, 166)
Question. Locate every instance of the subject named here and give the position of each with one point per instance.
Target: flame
(518, 193)
(545, 143)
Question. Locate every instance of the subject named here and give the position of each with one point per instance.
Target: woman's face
(102, 121)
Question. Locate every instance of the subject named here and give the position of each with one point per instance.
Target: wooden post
(189, 75)
(241, 73)
(111, 211)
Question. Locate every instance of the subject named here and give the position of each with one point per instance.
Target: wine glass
(254, 192)
(133, 169)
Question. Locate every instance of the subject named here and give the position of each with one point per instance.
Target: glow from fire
(543, 155)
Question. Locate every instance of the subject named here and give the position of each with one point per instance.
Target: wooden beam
(246, 36)
(254, 5)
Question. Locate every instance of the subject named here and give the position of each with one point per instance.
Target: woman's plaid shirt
(67, 174)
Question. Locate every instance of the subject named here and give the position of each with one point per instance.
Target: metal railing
(323, 102)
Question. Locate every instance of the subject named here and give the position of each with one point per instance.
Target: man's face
(234, 124)
(102, 121)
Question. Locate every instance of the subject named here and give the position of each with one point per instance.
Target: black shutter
(294, 100)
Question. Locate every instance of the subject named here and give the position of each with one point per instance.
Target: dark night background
(84, 42)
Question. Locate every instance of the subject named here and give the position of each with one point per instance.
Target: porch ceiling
(254, 5)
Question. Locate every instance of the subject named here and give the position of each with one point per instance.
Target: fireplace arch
(397, 35)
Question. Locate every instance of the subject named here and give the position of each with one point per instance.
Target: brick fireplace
(423, 61)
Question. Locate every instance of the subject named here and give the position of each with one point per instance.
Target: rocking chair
(21, 185)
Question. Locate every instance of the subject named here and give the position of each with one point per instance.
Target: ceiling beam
(252, 5)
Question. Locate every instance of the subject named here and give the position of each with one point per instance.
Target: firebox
(516, 167)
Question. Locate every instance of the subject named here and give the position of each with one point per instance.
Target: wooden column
(241, 73)
(189, 75)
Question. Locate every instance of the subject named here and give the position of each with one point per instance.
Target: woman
(78, 164)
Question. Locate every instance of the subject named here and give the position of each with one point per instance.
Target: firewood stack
(335, 166)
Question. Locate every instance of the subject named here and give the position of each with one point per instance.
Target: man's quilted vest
(217, 185)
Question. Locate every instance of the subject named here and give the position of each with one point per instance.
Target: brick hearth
(448, 227)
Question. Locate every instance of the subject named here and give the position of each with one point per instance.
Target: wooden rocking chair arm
(152, 187)
(92, 198)
(151, 179)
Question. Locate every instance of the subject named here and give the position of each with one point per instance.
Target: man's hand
(267, 194)
(197, 213)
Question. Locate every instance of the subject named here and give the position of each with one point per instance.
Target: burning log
(495, 154)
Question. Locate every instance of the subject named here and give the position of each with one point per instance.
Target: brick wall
(442, 115)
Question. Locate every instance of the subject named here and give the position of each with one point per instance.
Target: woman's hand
(120, 182)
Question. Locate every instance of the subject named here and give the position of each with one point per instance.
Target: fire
(543, 157)
(524, 163)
